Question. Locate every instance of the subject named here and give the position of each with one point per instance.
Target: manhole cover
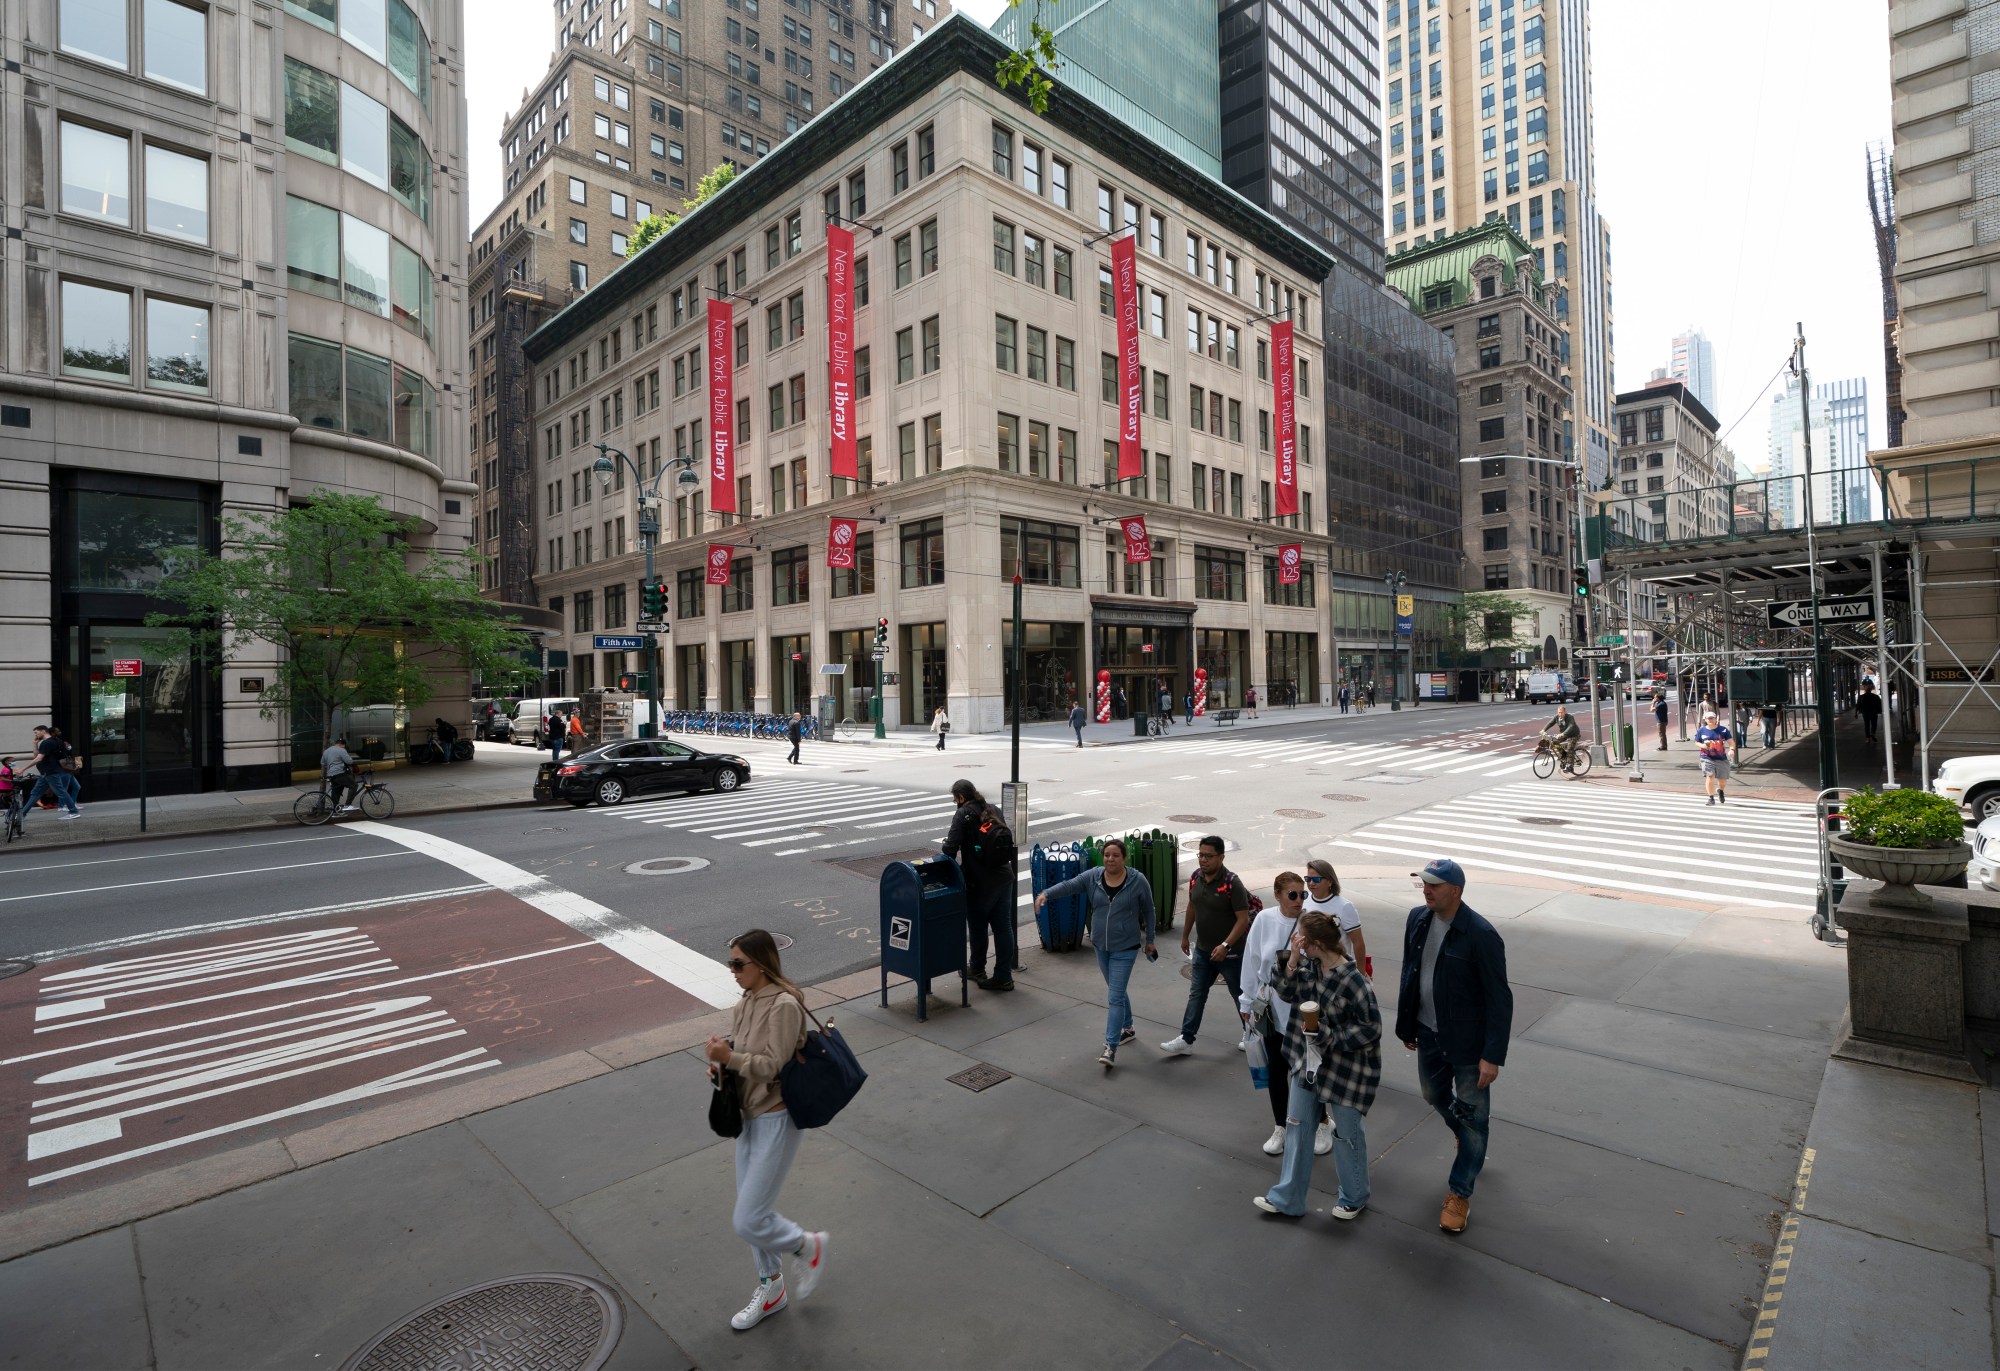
(11, 966)
(1190, 818)
(557, 829)
(1389, 778)
(980, 1077)
(783, 940)
(665, 866)
(540, 1322)
(854, 771)
(1343, 799)
(1543, 819)
(1298, 814)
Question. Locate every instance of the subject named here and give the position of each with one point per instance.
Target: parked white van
(529, 714)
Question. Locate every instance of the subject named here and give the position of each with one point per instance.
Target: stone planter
(1901, 869)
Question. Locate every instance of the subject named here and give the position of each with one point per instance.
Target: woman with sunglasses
(1264, 948)
(1323, 897)
(770, 1026)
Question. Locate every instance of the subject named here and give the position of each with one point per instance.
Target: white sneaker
(808, 1264)
(69, 816)
(1108, 1057)
(1343, 1213)
(1275, 1144)
(767, 1300)
(1323, 1138)
(1127, 1035)
(1177, 1047)
(1243, 1043)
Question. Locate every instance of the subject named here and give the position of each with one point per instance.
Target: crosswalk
(795, 815)
(1763, 853)
(1459, 754)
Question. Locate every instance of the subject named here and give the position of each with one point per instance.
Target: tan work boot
(1456, 1208)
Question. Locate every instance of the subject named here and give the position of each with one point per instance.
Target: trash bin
(923, 925)
(1625, 741)
(1060, 921)
(1139, 723)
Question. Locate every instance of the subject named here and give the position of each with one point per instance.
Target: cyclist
(1565, 732)
(337, 765)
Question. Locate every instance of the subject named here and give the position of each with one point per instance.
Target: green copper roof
(1417, 272)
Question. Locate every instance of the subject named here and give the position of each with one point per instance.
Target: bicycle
(1156, 726)
(846, 729)
(371, 796)
(1573, 758)
(17, 807)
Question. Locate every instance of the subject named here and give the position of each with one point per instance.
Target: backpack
(991, 848)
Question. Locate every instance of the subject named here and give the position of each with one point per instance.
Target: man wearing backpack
(1218, 922)
(50, 754)
(984, 847)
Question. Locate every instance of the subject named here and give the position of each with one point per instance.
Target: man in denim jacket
(1455, 1011)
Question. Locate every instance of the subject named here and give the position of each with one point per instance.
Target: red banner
(718, 563)
(721, 415)
(1285, 376)
(1289, 557)
(1138, 548)
(1125, 297)
(840, 347)
(840, 543)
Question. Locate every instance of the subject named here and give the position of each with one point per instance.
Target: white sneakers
(1177, 1047)
(1323, 1138)
(1127, 1035)
(1275, 1144)
(808, 1264)
(1343, 1213)
(767, 1300)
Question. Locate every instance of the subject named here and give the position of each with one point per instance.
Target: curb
(272, 821)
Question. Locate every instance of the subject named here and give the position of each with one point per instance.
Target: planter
(1901, 869)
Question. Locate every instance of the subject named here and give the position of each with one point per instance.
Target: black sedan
(610, 773)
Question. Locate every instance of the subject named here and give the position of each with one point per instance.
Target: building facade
(1481, 289)
(1693, 364)
(1673, 472)
(1489, 113)
(234, 277)
(985, 409)
(1849, 487)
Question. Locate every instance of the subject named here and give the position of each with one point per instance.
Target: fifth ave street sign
(1798, 613)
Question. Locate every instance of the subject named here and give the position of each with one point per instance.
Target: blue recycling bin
(923, 926)
(1061, 920)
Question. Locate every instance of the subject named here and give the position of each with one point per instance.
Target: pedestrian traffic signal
(627, 681)
(1582, 579)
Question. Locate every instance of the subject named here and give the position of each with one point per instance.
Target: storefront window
(1225, 654)
(791, 674)
(925, 680)
(1051, 668)
(127, 542)
(1291, 668)
(167, 688)
(739, 675)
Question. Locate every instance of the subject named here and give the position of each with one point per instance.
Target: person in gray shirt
(337, 765)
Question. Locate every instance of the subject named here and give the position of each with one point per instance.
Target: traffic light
(653, 601)
(1582, 578)
(627, 681)
(881, 633)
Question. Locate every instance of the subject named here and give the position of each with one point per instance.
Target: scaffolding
(1882, 208)
(523, 304)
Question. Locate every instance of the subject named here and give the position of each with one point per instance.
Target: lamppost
(649, 537)
(1396, 580)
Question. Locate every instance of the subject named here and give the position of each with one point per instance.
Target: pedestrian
(1077, 719)
(1119, 707)
(769, 1027)
(1371, 695)
(336, 764)
(984, 847)
(1121, 923)
(50, 774)
(1869, 706)
(1768, 716)
(794, 732)
(1455, 1011)
(1323, 897)
(1166, 704)
(1335, 1065)
(940, 725)
(1264, 953)
(576, 735)
(555, 731)
(1343, 697)
(1250, 701)
(1713, 739)
(1218, 920)
(1660, 716)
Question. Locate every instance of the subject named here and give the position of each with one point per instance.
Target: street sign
(128, 666)
(1798, 613)
(1590, 654)
(1611, 640)
(833, 669)
(617, 642)
(654, 628)
(878, 653)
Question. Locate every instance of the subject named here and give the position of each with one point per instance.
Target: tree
(1025, 67)
(658, 225)
(1486, 620)
(356, 617)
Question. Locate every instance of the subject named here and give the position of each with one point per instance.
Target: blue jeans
(1206, 969)
(1466, 1109)
(1117, 969)
(1350, 1153)
(60, 782)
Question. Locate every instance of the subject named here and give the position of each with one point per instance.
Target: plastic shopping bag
(1260, 1066)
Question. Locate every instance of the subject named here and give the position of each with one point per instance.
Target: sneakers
(1108, 1058)
(1456, 1209)
(991, 983)
(1711, 799)
(1177, 1047)
(1343, 1213)
(1264, 1204)
(808, 1264)
(1243, 1043)
(71, 814)
(1323, 1138)
(1722, 797)
(767, 1300)
(1275, 1144)
(1129, 1035)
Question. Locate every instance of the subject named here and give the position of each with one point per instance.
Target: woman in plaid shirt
(1341, 1065)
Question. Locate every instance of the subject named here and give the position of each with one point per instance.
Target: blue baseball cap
(1442, 871)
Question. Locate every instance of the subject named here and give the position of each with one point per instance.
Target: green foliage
(353, 616)
(1903, 818)
(658, 225)
(647, 229)
(1025, 67)
(1484, 619)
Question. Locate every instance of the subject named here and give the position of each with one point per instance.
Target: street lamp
(649, 537)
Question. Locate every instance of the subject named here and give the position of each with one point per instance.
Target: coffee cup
(1311, 1011)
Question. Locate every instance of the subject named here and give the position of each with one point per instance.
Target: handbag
(821, 1077)
(725, 1106)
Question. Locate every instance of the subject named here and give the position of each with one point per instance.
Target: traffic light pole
(875, 700)
(649, 518)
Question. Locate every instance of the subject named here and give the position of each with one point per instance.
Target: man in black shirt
(1218, 920)
(50, 750)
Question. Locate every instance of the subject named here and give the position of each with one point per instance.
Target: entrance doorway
(925, 682)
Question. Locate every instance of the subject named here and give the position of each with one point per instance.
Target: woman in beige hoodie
(770, 1028)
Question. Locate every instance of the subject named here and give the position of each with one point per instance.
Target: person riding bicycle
(1565, 732)
(337, 765)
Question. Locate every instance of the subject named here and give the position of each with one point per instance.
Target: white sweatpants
(764, 1153)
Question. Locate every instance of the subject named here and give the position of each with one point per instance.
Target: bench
(1224, 716)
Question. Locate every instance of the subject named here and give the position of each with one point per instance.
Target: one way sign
(1798, 613)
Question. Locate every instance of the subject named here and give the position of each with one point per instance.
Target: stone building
(234, 276)
(1672, 472)
(985, 414)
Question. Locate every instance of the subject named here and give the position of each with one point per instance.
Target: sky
(1732, 174)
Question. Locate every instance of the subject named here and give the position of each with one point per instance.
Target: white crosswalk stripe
(1750, 852)
(785, 816)
(1499, 758)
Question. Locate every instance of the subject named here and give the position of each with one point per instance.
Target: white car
(1973, 782)
(1984, 873)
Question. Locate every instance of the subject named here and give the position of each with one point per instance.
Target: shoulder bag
(821, 1077)
(725, 1106)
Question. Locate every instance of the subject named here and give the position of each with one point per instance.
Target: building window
(926, 151)
(1003, 246)
(932, 349)
(1493, 539)
(1059, 182)
(96, 174)
(96, 332)
(1003, 152)
(922, 553)
(1218, 573)
(858, 579)
(927, 247)
(1006, 337)
(791, 576)
(1491, 430)
(176, 193)
(1044, 554)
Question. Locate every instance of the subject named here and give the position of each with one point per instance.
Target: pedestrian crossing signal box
(1760, 685)
(923, 926)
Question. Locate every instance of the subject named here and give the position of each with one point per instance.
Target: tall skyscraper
(1489, 114)
(1693, 365)
(1852, 491)
(1842, 484)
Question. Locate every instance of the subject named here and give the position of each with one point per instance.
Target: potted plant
(1902, 838)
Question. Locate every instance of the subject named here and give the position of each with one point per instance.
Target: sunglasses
(737, 963)
(1315, 880)
(1295, 894)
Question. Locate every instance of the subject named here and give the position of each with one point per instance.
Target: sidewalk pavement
(1789, 771)
(1647, 1132)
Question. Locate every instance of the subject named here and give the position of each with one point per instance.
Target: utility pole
(1015, 653)
(1829, 764)
(1396, 580)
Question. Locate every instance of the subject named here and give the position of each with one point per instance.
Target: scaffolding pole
(1882, 664)
(1923, 671)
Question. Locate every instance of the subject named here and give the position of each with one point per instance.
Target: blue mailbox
(923, 926)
